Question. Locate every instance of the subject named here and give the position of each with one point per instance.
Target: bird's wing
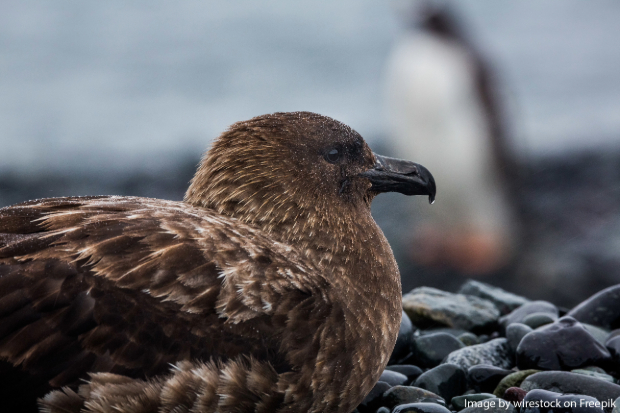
(129, 285)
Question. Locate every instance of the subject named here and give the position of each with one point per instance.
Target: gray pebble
(446, 380)
(514, 333)
(495, 353)
(561, 345)
(393, 378)
(595, 374)
(491, 406)
(602, 309)
(469, 339)
(518, 315)
(408, 394)
(536, 320)
(429, 350)
(429, 306)
(503, 300)
(566, 382)
(461, 402)
(420, 408)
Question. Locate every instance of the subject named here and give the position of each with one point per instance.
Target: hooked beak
(396, 175)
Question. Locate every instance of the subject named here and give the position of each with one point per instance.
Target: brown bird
(268, 289)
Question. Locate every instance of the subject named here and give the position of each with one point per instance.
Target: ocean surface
(119, 85)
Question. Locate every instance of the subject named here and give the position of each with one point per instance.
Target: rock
(446, 380)
(602, 309)
(613, 346)
(398, 395)
(565, 344)
(601, 335)
(461, 402)
(594, 369)
(393, 378)
(452, 331)
(383, 410)
(491, 406)
(595, 374)
(565, 382)
(503, 300)
(526, 309)
(543, 401)
(412, 372)
(512, 380)
(429, 306)
(402, 349)
(536, 320)
(429, 350)
(514, 333)
(495, 353)
(514, 394)
(616, 408)
(469, 339)
(485, 378)
(420, 408)
(373, 399)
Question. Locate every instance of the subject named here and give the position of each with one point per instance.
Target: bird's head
(273, 169)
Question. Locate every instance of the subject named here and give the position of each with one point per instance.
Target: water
(115, 85)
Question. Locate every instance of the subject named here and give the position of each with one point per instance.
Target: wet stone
(613, 346)
(373, 399)
(461, 402)
(565, 344)
(429, 350)
(393, 378)
(595, 374)
(398, 395)
(485, 378)
(446, 380)
(495, 353)
(469, 339)
(601, 335)
(595, 369)
(491, 406)
(602, 309)
(452, 331)
(512, 380)
(383, 410)
(543, 401)
(514, 333)
(518, 315)
(536, 320)
(420, 408)
(566, 382)
(402, 349)
(429, 306)
(514, 394)
(412, 372)
(503, 300)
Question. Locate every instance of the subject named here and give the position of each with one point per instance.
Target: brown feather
(270, 289)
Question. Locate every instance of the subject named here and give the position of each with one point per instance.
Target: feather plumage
(269, 289)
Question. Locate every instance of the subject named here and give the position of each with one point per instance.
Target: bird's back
(131, 285)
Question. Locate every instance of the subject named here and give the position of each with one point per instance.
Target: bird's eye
(333, 155)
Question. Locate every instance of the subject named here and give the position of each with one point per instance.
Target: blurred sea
(119, 84)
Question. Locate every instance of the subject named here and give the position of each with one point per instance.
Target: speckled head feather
(294, 174)
(270, 289)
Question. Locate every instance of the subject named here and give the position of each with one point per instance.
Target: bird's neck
(356, 259)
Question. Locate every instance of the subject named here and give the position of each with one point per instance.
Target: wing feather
(130, 285)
